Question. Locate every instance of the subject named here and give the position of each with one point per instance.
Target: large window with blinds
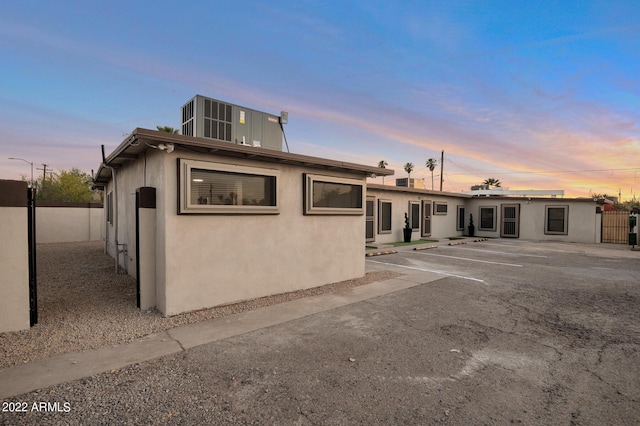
(215, 188)
(333, 195)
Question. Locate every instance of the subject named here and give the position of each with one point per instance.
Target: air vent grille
(187, 119)
(217, 120)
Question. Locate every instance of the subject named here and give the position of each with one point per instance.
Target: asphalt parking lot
(510, 332)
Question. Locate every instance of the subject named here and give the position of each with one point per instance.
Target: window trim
(380, 230)
(435, 211)
(184, 188)
(493, 225)
(309, 209)
(565, 231)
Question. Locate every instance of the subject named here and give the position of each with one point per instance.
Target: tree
(492, 182)
(408, 168)
(383, 165)
(431, 165)
(69, 186)
(167, 129)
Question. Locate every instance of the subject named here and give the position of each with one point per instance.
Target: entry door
(426, 218)
(510, 223)
(370, 234)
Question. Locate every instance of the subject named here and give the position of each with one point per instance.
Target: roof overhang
(140, 140)
(419, 191)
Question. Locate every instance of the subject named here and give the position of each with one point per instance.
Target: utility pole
(44, 174)
(441, 168)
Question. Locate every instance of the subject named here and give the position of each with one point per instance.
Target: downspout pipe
(106, 215)
(115, 211)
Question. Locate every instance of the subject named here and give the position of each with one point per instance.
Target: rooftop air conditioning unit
(214, 119)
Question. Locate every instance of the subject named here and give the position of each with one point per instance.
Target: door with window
(426, 218)
(510, 222)
(370, 221)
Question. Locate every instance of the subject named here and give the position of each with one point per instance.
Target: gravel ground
(84, 305)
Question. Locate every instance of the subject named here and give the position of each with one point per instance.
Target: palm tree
(383, 165)
(492, 182)
(431, 165)
(167, 129)
(408, 168)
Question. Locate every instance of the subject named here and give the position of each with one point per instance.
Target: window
(216, 188)
(439, 208)
(384, 216)
(414, 215)
(556, 220)
(110, 208)
(332, 195)
(460, 219)
(487, 218)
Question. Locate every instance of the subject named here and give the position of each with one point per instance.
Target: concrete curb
(380, 253)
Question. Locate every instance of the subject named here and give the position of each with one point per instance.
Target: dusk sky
(538, 94)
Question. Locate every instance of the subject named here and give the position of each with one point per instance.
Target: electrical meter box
(214, 119)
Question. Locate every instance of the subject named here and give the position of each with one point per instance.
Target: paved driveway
(513, 332)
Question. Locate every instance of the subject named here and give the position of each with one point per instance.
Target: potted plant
(407, 229)
(472, 229)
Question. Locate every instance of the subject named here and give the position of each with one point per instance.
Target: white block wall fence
(14, 256)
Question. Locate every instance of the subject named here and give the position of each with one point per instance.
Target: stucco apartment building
(436, 215)
(221, 214)
(202, 222)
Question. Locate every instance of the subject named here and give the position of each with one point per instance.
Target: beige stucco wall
(69, 224)
(131, 176)
(147, 252)
(582, 220)
(14, 262)
(209, 260)
(442, 225)
(219, 259)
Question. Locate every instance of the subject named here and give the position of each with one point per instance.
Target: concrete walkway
(72, 366)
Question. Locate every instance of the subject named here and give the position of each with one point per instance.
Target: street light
(28, 162)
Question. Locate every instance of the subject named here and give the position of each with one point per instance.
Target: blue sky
(541, 95)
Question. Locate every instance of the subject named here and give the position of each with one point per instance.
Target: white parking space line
(501, 252)
(471, 260)
(435, 271)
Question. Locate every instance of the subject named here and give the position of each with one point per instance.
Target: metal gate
(31, 235)
(615, 227)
